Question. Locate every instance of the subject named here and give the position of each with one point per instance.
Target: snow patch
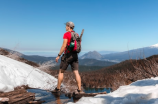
(14, 73)
(139, 92)
(154, 46)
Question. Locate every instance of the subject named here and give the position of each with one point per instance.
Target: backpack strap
(73, 36)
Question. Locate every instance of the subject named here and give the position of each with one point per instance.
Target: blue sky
(110, 25)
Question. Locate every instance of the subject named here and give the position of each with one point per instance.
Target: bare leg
(60, 78)
(78, 79)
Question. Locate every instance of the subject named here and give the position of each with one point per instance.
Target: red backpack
(75, 43)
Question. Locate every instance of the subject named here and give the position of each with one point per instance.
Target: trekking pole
(81, 34)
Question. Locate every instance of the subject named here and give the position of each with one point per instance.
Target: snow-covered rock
(139, 92)
(154, 46)
(14, 73)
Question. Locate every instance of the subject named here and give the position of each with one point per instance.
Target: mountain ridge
(138, 53)
(42, 59)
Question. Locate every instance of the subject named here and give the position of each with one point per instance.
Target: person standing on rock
(68, 58)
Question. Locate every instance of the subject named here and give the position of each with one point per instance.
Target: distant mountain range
(83, 62)
(94, 58)
(122, 56)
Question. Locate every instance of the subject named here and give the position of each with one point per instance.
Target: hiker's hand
(57, 58)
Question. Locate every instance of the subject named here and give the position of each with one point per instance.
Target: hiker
(69, 57)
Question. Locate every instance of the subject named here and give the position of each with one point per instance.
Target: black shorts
(69, 58)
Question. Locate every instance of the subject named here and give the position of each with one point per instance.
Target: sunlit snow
(14, 73)
(155, 45)
(140, 92)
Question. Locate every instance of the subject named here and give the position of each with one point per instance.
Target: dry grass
(14, 55)
(120, 74)
(46, 66)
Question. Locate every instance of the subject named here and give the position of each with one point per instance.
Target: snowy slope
(140, 92)
(14, 73)
(154, 46)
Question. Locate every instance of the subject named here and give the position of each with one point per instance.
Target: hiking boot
(56, 90)
(78, 92)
